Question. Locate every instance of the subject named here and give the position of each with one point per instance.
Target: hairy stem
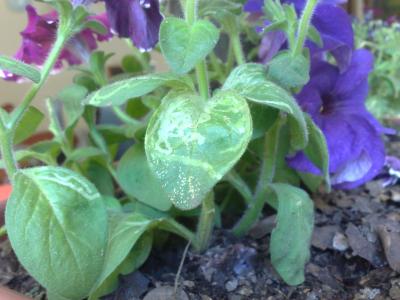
(267, 173)
(6, 147)
(237, 48)
(206, 223)
(201, 68)
(304, 26)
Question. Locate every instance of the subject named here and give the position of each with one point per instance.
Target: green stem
(206, 223)
(202, 79)
(171, 225)
(191, 11)
(267, 173)
(304, 26)
(240, 185)
(47, 67)
(6, 142)
(3, 231)
(237, 48)
(201, 68)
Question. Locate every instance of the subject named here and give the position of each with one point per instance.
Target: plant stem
(191, 11)
(202, 79)
(206, 223)
(201, 68)
(267, 173)
(47, 67)
(6, 142)
(171, 225)
(3, 231)
(304, 26)
(240, 185)
(237, 48)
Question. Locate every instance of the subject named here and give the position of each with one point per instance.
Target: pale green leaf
(191, 145)
(291, 239)
(28, 125)
(119, 92)
(184, 45)
(137, 180)
(19, 68)
(57, 225)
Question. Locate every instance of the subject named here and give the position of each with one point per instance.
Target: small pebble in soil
(340, 242)
(231, 285)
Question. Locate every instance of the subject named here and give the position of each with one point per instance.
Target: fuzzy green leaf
(57, 225)
(184, 45)
(19, 68)
(136, 179)
(291, 238)
(121, 91)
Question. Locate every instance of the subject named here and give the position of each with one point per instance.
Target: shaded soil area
(355, 255)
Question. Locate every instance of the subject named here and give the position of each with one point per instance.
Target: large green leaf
(184, 45)
(251, 82)
(291, 239)
(28, 125)
(136, 179)
(121, 91)
(57, 225)
(19, 68)
(125, 231)
(191, 145)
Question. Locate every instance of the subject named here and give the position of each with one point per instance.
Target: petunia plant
(261, 98)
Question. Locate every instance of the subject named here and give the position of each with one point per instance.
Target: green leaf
(246, 75)
(289, 71)
(57, 225)
(121, 91)
(72, 98)
(84, 153)
(191, 145)
(250, 81)
(101, 178)
(184, 45)
(125, 231)
(19, 68)
(28, 125)
(291, 238)
(137, 180)
(317, 149)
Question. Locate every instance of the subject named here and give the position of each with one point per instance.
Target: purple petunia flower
(138, 20)
(332, 22)
(336, 102)
(39, 36)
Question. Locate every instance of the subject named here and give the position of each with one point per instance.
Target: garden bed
(355, 266)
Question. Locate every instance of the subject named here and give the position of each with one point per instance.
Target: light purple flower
(336, 102)
(39, 36)
(332, 22)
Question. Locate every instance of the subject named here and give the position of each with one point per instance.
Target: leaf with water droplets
(191, 144)
(57, 225)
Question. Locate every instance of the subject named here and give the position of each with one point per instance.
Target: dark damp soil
(355, 255)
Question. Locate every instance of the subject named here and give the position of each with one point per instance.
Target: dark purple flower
(336, 102)
(138, 20)
(332, 22)
(39, 35)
